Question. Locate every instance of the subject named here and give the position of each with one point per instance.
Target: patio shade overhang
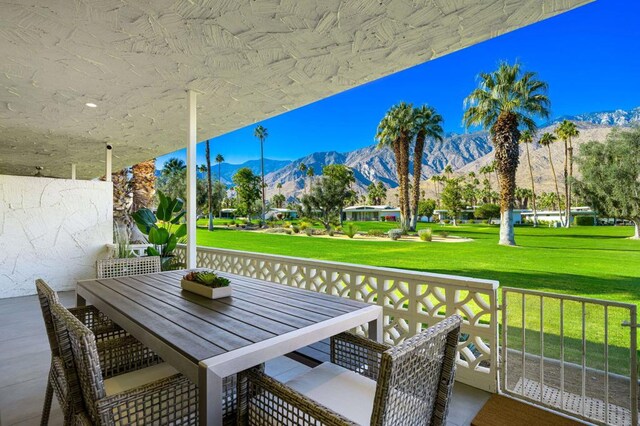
(250, 59)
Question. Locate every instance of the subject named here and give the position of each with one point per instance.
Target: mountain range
(464, 152)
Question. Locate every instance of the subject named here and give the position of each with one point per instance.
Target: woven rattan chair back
(48, 297)
(110, 268)
(79, 350)
(416, 377)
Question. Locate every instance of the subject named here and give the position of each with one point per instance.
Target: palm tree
(428, 124)
(526, 138)
(303, 168)
(209, 187)
(310, 174)
(565, 131)
(546, 140)
(121, 199)
(261, 133)
(143, 184)
(448, 170)
(279, 186)
(396, 129)
(504, 101)
(219, 160)
(173, 165)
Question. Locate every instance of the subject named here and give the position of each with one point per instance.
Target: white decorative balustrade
(412, 300)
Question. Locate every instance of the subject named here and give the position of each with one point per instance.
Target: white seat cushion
(124, 382)
(339, 389)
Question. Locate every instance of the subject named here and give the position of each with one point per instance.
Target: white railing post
(191, 180)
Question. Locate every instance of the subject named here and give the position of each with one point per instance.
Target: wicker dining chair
(153, 395)
(118, 351)
(365, 383)
(115, 267)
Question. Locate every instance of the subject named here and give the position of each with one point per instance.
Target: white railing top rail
(580, 299)
(443, 279)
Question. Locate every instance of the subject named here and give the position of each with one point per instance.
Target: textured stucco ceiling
(249, 59)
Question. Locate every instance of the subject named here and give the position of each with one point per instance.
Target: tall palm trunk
(533, 189)
(262, 173)
(418, 151)
(405, 189)
(209, 190)
(505, 137)
(143, 184)
(121, 199)
(569, 191)
(397, 153)
(567, 212)
(555, 179)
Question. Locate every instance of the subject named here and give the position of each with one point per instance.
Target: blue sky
(589, 56)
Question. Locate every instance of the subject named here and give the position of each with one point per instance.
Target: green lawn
(597, 262)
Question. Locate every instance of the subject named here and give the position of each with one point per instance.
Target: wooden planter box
(203, 290)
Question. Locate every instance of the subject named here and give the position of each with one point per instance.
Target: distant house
(555, 216)
(285, 214)
(228, 213)
(371, 213)
(468, 214)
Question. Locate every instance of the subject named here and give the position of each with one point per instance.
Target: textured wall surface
(53, 229)
(249, 59)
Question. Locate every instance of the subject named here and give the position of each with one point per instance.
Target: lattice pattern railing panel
(412, 301)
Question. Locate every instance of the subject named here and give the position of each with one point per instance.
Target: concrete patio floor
(25, 357)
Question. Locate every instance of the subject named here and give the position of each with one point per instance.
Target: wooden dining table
(208, 340)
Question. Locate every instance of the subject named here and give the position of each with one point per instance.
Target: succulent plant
(207, 278)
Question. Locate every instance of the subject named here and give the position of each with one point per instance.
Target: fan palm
(219, 160)
(504, 101)
(566, 131)
(546, 140)
(143, 184)
(428, 124)
(303, 168)
(526, 138)
(261, 133)
(172, 166)
(396, 130)
(209, 186)
(310, 174)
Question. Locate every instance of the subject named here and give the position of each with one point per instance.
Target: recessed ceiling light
(91, 105)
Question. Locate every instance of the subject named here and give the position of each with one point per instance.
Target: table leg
(210, 397)
(375, 329)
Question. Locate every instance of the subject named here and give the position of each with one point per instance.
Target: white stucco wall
(53, 229)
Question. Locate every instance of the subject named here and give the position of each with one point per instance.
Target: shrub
(304, 226)
(446, 221)
(308, 231)
(583, 220)
(278, 231)
(350, 230)
(287, 225)
(295, 229)
(375, 233)
(338, 228)
(390, 218)
(425, 234)
(486, 221)
(444, 234)
(395, 234)
(233, 222)
(382, 218)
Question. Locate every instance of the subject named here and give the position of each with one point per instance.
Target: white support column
(73, 171)
(107, 171)
(191, 181)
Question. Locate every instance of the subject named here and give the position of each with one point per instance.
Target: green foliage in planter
(207, 278)
(163, 229)
(443, 234)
